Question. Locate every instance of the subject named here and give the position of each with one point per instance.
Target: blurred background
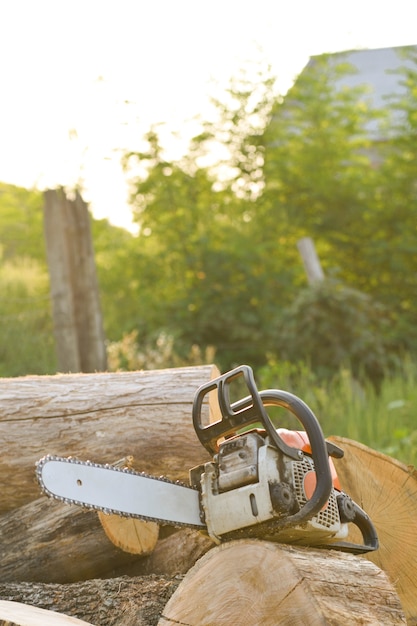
(208, 140)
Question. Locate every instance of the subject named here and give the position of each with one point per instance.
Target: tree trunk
(58, 256)
(387, 490)
(256, 583)
(114, 602)
(100, 417)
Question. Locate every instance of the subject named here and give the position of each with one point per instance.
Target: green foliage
(317, 153)
(243, 111)
(384, 421)
(118, 272)
(217, 262)
(329, 326)
(391, 249)
(210, 275)
(26, 333)
(203, 277)
(21, 223)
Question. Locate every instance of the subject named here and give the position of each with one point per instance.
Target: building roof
(378, 69)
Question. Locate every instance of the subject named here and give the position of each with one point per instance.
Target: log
(49, 541)
(100, 417)
(130, 535)
(18, 614)
(387, 490)
(118, 601)
(257, 583)
(174, 554)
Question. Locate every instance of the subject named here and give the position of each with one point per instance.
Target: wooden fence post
(311, 260)
(79, 334)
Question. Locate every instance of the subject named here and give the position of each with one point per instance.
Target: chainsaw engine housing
(254, 486)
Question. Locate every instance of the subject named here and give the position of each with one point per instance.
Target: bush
(329, 326)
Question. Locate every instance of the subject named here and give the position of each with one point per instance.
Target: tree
(26, 330)
(215, 282)
(394, 240)
(21, 223)
(318, 171)
(327, 178)
(26, 335)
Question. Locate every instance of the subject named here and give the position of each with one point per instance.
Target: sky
(81, 81)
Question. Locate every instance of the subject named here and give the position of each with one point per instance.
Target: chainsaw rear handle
(353, 513)
(250, 411)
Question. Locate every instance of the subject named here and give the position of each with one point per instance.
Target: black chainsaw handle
(234, 417)
(251, 410)
(319, 451)
(359, 518)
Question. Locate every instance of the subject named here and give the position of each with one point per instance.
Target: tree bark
(58, 256)
(247, 582)
(119, 601)
(387, 490)
(52, 542)
(175, 553)
(77, 315)
(256, 583)
(46, 541)
(100, 417)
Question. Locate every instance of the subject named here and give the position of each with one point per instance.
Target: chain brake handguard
(250, 411)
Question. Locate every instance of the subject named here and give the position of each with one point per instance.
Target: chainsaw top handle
(250, 411)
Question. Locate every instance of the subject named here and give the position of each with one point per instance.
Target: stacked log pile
(102, 417)
(108, 572)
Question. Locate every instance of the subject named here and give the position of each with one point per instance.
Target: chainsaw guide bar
(114, 490)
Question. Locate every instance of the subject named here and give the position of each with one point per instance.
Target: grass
(385, 421)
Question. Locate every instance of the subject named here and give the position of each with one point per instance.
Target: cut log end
(253, 582)
(387, 490)
(130, 535)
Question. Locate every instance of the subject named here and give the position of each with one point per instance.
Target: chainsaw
(275, 484)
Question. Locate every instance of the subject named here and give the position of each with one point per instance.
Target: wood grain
(257, 583)
(387, 490)
(100, 417)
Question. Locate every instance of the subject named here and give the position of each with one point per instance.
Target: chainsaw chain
(106, 510)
